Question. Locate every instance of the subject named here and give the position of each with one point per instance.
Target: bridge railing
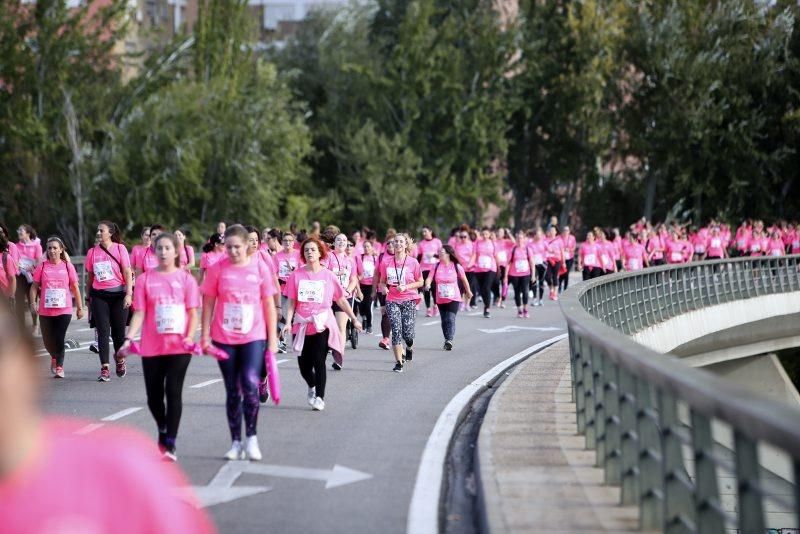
(641, 410)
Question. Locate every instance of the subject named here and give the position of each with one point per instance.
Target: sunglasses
(463, 236)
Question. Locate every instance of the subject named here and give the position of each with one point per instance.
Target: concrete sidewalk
(535, 472)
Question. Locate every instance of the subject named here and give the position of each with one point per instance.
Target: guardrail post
(652, 495)
(589, 396)
(678, 489)
(629, 439)
(579, 384)
(573, 358)
(611, 459)
(708, 510)
(599, 391)
(751, 507)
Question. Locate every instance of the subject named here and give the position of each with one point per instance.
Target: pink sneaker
(53, 365)
(519, 314)
(525, 314)
(429, 312)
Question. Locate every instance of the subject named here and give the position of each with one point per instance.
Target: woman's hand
(357, 325)
(127, 302)
(79, 313)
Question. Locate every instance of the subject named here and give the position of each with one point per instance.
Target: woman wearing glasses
(343, 267)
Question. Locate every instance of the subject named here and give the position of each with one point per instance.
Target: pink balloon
(273, 378)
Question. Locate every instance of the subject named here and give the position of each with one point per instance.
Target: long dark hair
(116, 234)
(175, 245)
(452, 253)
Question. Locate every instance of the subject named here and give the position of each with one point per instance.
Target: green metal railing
(641, 410)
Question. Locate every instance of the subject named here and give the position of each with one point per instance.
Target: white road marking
(88, 428)
(423, 512)
(121, 414)
(333, 478)
(430, 323)
(515, 328)
(206, 383)
(278, 362)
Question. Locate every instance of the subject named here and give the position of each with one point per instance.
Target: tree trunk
(650, 194)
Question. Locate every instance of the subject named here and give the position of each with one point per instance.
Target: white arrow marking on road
(515, 328)
(221, 490)
(333, 478)
(88, 429)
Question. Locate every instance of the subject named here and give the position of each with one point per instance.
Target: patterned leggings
(241, 373)
(402, 316)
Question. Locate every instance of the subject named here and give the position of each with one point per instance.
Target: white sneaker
(318, 404)
(251, 445)
(235, 452)
(312, 394)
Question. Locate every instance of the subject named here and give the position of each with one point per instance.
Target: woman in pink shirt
(569, 257)
(8, 269)
(555, 261)
(716, 245)
(402, 277)
(446, 281)
(380, 292)
(148, 260)
(520, 269)
(55, 286)
(29, 255)
(344, 268)
(676, 249)
(634, 254)
(46, 459)
(484, 265)
(538, 247)
(213, 251)
(655, 249)
(743, 234)
(239, 317)
(775, 246)
(366, 265)
(312, 289)
(137, 251)
(109, 282)
(464, 249)
(794, 243)
(589, 258)
(606, 250)
(427, 255)
(165, 304)
(503, 242)
(186, 251)
(757, 244)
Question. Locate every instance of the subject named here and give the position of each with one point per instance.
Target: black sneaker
(398, 367)
(409, 354)
(93, 348)
(448, 345)
(486, 314)
(336, 366)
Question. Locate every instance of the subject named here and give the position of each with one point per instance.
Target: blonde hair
(409, 242)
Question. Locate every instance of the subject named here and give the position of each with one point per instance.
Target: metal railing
(641, 410)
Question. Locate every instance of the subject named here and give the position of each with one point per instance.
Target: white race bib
(502, 256)
(237, 317)
(777, 252)
(634, 264)
(171, 318)
(311, 291)
(485, 262)
(522, 266)
(103, 271)
(590, 260)
(55, 297)
(538, 259)
(447, 290)
(429, 257)
(369, 270)
(26, 264)
(716, 243)
(393, 276)
(795, 244)
(284, 269)
(676, 256)
(741, 243)
(699, 248)
(755, 248)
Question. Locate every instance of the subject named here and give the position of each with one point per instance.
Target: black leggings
(163, 378)
(484, 282)
(386, 326)
(591, 272)
(365, 306)
(427, 294)
(109, 316)
(472, 279)
(520, 285)
(538, 283)
(448, 312)
(497, 285)
(54, 330)
(22, 303)
(551, 277)
(312, 361)
(563, 280)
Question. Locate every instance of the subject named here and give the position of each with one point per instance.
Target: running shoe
(486, 314)
(398, 367)
(448, 345)
(93, 348)
(235, 452)
(519, 314)
(555, 297)
(59, 372)
(429, 312)
(384, 343)
(105, 375)
(502, 305)
(252, 449)
(369, 330)
(263, 391)
(53, 365)
(122, 369)
(169, 455)
(409, 354)
(312, 394)
(526, 314)
(336, 366)
(318, 405)
(540, 302)
(282, 347)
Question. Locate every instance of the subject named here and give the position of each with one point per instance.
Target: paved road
(375, 422)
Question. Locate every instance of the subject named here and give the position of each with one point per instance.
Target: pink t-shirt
(504, 247)
(428, 250)
(239, 291)
(464, 250)
(676, 252)
(8, 270)
(285, 263)
(538, 251)
(655, 247)
(137, 253)
(700, 243)
(396, 272)
(757, 245)
(775, 247)
(520, 261)
(716, 247)
(61, 489)
(743, 238)
(207, 259)
(446, 282)
(590, 254)
(28, 255)
(55, 280)
(366, 267)
(378, 247)
(795, 243)
(606, 249)
(313, 293)
(165, 299)
(634, 257)
(107, 274)
(484, 256)
(554, 248)
(341, 265)
(569, 246)
(149, 260)
(187, 255)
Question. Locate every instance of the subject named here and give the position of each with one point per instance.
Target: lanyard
(400, 279)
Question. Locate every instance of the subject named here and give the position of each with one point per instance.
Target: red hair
(323, 250)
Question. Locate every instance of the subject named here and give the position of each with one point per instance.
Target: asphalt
(376, 422)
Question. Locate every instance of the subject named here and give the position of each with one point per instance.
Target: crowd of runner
(254, 287)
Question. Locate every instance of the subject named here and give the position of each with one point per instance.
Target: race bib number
(538, 259)
(777, 252)
(485, 262)
(795, 244)
(311, 291)
(634, 264)
(393, 276)
(284, 269)
(502, 256)
(716, 243)
(369, 270)
(55, 297)
(741, 243)
(26, 264)
(103, 271)
(237, 318)
(171, 318)
(429, 257)
(522, 266)
(699, 249)
(755, 248)
(447, 291)
(590, 260)
(344, 278)
(676, 256)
